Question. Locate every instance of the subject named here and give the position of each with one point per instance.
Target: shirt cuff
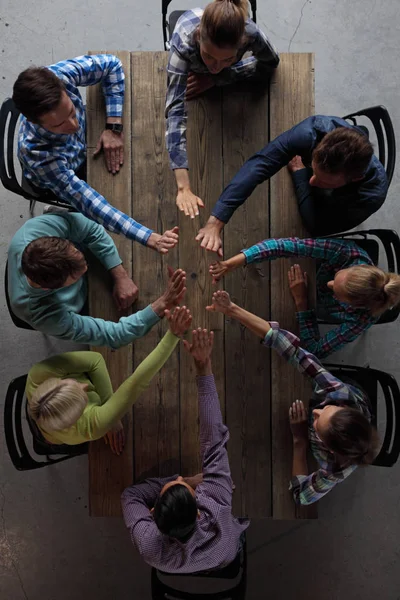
(222, 214)
(112, 261)
(269, 336)
(300, 176)
(149, 316)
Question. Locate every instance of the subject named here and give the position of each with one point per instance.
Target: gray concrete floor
(49, 547)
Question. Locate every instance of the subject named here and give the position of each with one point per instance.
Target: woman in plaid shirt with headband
(207, 49)
(349, 287)
(338, 426)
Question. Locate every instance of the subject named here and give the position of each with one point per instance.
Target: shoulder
(186, 25)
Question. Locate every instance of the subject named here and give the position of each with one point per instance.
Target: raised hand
(113, 146)
(166, 241)
(189, 203)
(298, 422)
(197, 83)
(218, 269)
(116, 438)
(298, 284)
(210, 236)
(201, 349)
(179, 321)
(221, 302)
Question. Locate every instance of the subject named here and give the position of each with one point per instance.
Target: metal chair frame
(369, 379)
(380, 118)
(166, 24)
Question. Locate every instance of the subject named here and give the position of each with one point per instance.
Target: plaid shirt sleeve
(334, 339)
(56, 176)
(307, 489)
(329, 250)
(175, 110)
(97, 68)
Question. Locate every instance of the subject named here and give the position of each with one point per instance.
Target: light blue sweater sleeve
(98, 332)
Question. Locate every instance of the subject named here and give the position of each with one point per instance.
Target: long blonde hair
(57, 404)
(223, 22)
(370, 287)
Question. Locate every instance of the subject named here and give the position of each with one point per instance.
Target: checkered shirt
(49, 160)
(185, 56)
(333, 255)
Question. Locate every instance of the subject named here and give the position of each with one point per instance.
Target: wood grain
(291, 101)
(248, 398)
(156, 413)
(110, 474)
(204, 135)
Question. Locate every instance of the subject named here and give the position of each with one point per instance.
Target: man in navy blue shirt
(338, 180)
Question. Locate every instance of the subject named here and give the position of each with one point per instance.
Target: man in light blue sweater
(47, 284)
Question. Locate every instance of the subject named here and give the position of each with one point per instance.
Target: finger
(175, 230)
(220, 253)
(204, 240)
(116, 160)
(167, 314)
(200, 202)
(98, 148)
(107, 155)
(191, 210)
(186, 345)
(216, 244)
(211, 340)
(171, 272)
(199, 236)
(121, 159)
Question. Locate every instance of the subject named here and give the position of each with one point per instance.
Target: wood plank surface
(110, 474)
(291, 101)
(204, 135)
(156, 413)
(248, 402)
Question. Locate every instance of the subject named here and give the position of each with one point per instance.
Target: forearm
(300, 466)
(252, 322)
(182, 179)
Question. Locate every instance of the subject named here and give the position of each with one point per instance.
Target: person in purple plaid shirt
(185, 525)
(339, 431)
(207, 49)
(52, 139)
(350, 289)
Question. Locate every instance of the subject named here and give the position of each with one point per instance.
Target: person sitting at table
(70, 396)
(185, 525)
(349, 287)
(338, 180)
(47, 282)
(207, 49)
(339, 431)
(52, 145)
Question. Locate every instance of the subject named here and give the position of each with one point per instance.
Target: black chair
(391, 244)
(237, 569)
(169, 23)
(15, 440)
(371, 380)
(380, 119)
(9, 118)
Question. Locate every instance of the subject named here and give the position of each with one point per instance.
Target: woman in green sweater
(70, 396)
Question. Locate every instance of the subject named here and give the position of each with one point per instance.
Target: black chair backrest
(384, 130)
(14, 408)
(168, 27)
(371, 380)
(9, 116)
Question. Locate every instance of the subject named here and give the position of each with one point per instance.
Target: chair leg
(32, 205)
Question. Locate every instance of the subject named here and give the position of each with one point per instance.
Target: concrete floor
(49, 547)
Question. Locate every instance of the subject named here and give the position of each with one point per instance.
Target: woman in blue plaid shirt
(337, 428)
(350, 289)
(207, 49)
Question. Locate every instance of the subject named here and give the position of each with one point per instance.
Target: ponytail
(223, 22)
(370, 287)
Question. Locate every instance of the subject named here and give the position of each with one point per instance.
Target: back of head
(351, 437)
(175, 512)
(345, 151)
(223, 22)
(49, 261)
(57, 404)
(36, 92)
(370, 287)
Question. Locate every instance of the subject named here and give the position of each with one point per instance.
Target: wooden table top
(225, 127)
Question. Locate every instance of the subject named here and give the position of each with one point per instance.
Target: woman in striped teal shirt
(350, 289)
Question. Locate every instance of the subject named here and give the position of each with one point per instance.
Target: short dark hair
(344, 150)
(36, 92)
(49, 261)
(175, 512)
(351, 437)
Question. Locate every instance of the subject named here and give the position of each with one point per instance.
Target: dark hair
(36, 92)
(223, 22)
(175, 512)
(344, 150)
(49, 261)
(351, 437)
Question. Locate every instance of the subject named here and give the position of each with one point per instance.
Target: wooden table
(225, 127)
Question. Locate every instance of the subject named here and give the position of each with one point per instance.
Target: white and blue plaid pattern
(49, 160)
(185, 56)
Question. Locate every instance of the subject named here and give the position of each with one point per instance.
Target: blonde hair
(57, 404)
(370, 287)
(223, 22)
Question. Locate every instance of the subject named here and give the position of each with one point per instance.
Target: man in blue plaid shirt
(52, 138)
